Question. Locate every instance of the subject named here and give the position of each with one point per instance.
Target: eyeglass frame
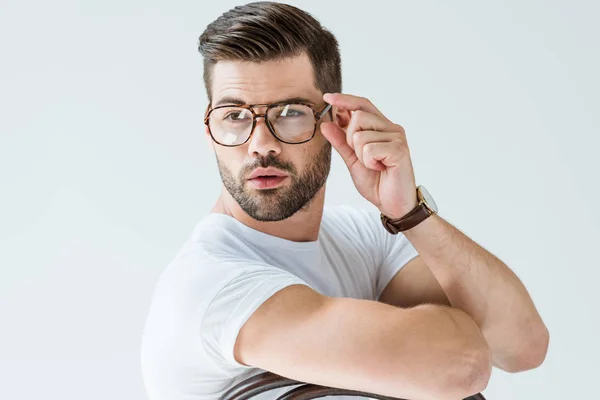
(317, 114)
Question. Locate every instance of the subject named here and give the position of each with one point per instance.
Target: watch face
(428, 199)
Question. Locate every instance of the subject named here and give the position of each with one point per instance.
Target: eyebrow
(236, 101)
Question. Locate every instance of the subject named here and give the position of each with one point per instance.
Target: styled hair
(270, 31)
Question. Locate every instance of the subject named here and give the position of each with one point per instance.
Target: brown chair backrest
(268, 381)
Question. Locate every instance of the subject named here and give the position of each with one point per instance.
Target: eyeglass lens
(292, 123)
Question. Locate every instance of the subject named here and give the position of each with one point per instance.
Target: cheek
(319, 140)
(302, 158)
(209, 140)
(230, 160)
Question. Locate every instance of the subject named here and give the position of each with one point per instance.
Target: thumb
(337, 137)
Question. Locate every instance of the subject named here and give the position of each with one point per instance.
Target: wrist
(402, 210)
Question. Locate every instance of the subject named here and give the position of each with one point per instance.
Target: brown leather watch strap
(410, 220)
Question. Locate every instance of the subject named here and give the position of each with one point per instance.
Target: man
(273, 280)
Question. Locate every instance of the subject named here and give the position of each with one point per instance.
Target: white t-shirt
(226, 270)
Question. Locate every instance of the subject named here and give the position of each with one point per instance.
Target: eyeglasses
(291, 123)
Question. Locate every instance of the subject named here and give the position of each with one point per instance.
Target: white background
(104, 169)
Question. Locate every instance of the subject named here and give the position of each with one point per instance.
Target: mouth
(267, 181)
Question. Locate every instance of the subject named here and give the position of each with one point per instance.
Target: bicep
(234, 303)
(329, 341)
(282, 320)
(354, 344)
(414, 284)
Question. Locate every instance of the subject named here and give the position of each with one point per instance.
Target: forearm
(424, 352)
(478, 283)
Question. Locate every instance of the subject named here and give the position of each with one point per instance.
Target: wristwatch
(424, 209)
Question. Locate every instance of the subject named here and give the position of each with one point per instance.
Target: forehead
(264, 82)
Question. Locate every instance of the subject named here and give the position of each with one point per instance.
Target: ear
(203, 123)
(341, 116)
(208, 138)
(206, 130)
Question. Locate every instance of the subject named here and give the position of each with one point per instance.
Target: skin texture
(293, 210)
(450, 271)
(298, 323)
(279, 203)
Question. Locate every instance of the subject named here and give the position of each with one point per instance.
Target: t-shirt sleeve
(395, 251)
(235, 302)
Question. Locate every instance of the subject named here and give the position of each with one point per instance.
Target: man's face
(305, 165)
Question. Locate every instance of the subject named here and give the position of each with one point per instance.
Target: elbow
(539, 349)
(480, 375)
(533, 353)
(477, 372)
(472, 378)
(471, 369)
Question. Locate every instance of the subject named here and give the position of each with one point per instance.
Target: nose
(262, 142)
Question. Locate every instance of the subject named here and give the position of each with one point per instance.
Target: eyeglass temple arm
(325, 110)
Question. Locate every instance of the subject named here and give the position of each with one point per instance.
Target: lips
(265, 182)
(266, 173)
(266, 178)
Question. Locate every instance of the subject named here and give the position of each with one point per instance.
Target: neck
(303, 226)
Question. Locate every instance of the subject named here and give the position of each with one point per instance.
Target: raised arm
(424, 352)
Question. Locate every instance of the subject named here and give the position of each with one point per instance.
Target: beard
(281, 202)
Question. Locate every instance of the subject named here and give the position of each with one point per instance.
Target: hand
(376, 153)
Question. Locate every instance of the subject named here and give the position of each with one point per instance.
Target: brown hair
(266, 31)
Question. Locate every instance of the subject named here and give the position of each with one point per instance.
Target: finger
(376, 154)
(352, 103)
(365, 121)
(337, 137)
(362, 138)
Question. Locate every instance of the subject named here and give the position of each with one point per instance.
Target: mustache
(269, 161)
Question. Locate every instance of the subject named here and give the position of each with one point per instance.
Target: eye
(289, 112)
(235, 116)
(293, 113)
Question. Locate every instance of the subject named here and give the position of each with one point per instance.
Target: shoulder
(219, 250)
(347, 213)
(356, 221)
(209, 258)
